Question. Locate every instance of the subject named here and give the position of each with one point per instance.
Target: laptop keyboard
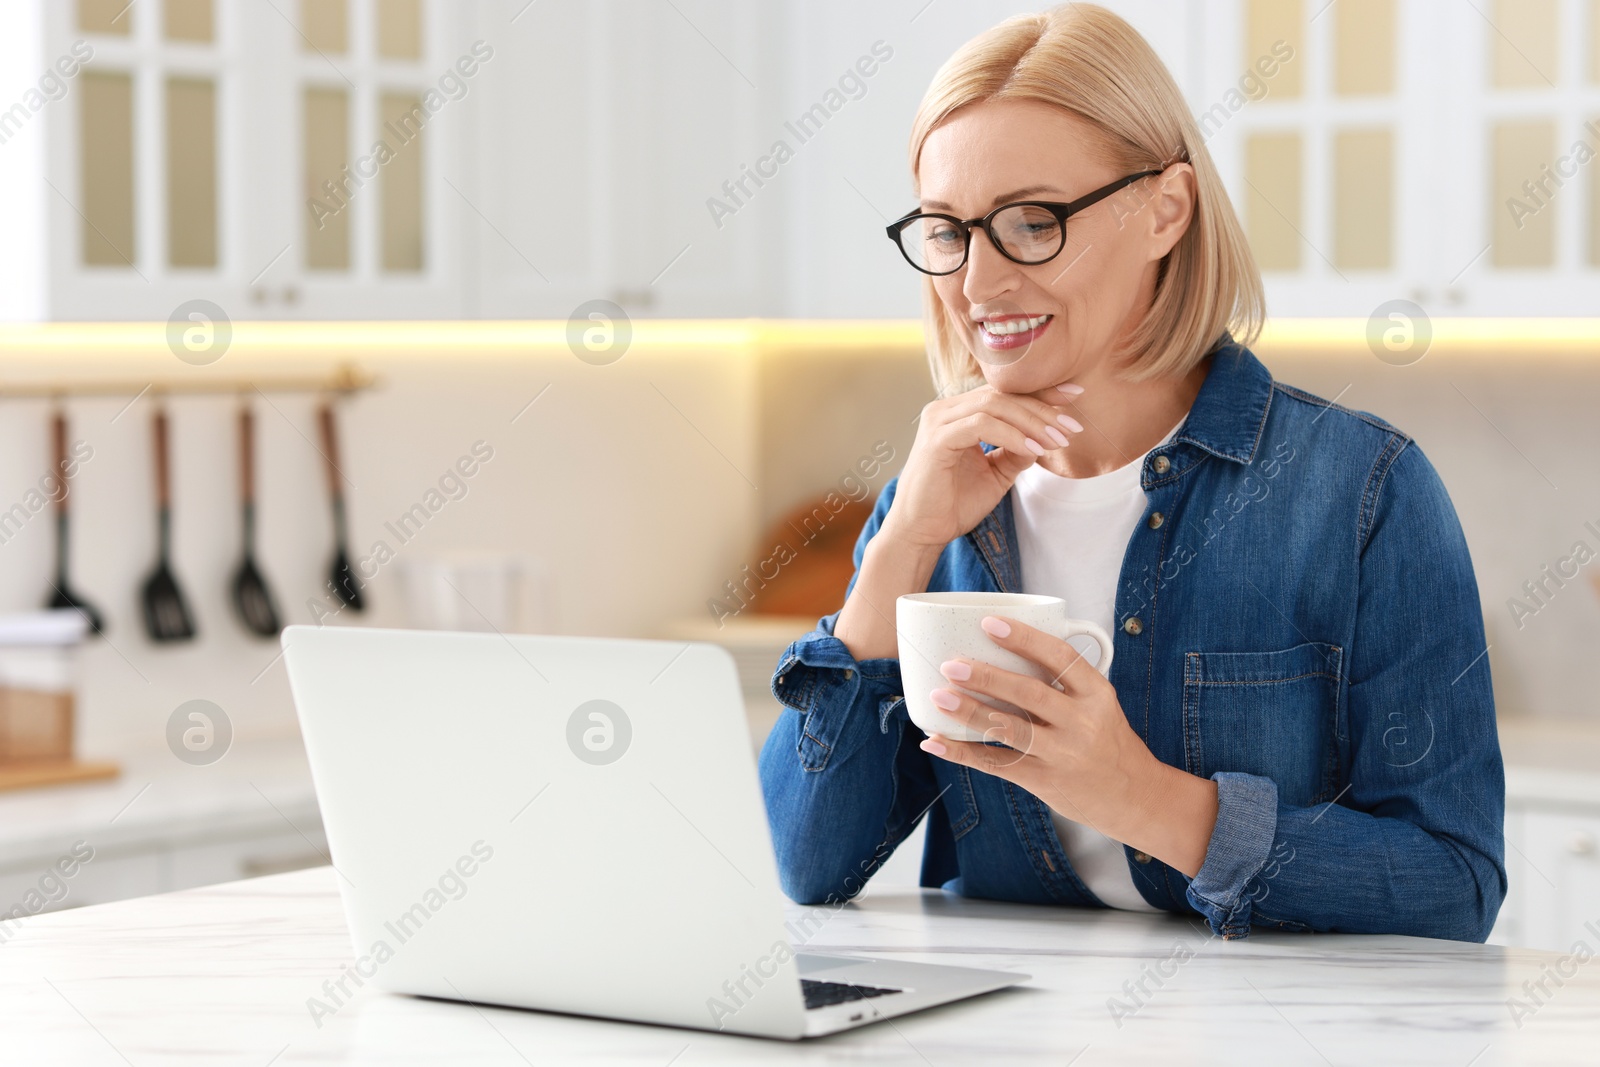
(823, 994)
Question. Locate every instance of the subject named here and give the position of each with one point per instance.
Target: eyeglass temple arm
(1100, 194)
(1063, 211)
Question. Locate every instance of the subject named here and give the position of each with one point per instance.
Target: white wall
(632, 510)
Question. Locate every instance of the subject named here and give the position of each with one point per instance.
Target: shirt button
(1162, 464)
(1156, 520)
(1141, 857)
(1133, 626)
(849, 674)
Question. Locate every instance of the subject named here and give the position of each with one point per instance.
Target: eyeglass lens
(1025, 232)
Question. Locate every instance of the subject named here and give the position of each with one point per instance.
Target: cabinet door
(108, 878)
(1562, 889)
(277, 160)
(1522, 87)
(137, 171)
(369, 99)
(227, 861)
(1320, 121)
(39, 888)
(604, 133)
(1426, 150)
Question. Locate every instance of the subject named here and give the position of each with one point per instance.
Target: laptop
(574, 825)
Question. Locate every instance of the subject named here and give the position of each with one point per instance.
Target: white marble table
(221, 975)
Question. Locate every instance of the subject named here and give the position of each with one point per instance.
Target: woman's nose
(988, 272)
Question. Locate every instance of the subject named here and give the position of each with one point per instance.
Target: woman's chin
(1020, 378)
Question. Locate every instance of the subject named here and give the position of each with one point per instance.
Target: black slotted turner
(340, 575)
(252, 599)
(166, 612)
(63, 595)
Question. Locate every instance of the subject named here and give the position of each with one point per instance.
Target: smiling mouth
(1010, 331)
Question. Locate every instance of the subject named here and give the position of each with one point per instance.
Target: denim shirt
(1297, 620)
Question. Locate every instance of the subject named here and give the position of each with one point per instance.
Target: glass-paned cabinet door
(1526, 123)
(377, 113)
(1315, 116)
(137, 194)
(1429, 150)
(278, 159)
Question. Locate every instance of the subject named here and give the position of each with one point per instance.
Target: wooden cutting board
(54, 772)
(808, 553)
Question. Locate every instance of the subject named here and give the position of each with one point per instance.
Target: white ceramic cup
(935, 627)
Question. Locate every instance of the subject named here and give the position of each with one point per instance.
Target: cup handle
(1084, 628)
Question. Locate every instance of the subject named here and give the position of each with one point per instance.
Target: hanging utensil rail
(346, 378)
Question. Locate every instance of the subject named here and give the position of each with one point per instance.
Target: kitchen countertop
(222, 975)
(1551, 761)
(257, 787)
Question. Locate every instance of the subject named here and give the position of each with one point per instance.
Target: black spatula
(64, 596)
(252, 600)
(166, 612)
(340, 576)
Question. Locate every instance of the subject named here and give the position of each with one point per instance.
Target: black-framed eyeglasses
(1027, 232)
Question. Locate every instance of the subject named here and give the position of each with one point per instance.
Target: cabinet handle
(1581, 843)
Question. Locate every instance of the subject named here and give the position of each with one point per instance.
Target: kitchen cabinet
(163, 825)
(372, 159)
(101, 880)
(164, 867)
(1423, 150)
(1552, 834)
(261, 160)
(597, 163)
(1560, 890)
(584, 155)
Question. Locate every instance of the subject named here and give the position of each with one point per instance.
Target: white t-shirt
(1072, 534)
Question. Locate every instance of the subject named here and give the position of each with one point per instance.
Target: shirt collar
(1227, 419)
(1229, 414)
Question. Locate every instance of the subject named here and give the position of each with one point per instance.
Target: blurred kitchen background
(597, 302)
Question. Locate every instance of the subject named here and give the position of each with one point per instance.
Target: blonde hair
(1092, 63)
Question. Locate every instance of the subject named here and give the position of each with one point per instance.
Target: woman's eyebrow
(1016, 194)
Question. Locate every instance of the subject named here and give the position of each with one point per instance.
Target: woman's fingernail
(1031, 443)
(1070, 389)
(955, 670)
(945, 699)
(996, 627)
(1070, 423)
(1057, 436)
(930, 745)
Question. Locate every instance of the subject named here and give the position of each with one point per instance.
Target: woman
(1298, 729)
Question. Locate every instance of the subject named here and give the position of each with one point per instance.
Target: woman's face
(1096, 289)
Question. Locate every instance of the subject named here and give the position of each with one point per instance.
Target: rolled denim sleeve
(819, 680)
(1240, 848)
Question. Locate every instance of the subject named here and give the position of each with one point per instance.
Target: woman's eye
(1029, 225)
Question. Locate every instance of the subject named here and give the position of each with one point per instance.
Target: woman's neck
(1122, 421)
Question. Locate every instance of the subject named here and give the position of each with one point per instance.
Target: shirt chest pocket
(1273, 714)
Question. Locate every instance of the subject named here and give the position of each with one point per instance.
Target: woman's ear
(1172, 208)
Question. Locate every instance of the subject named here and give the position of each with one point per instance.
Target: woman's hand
(946, 488)
(1074, 749)
(949, 483)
